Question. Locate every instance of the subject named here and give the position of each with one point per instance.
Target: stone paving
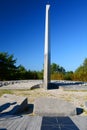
(44, 122)
(26, 122)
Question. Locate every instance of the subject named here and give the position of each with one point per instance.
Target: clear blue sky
(22, 27)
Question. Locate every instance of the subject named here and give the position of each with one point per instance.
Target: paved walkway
(26, 122)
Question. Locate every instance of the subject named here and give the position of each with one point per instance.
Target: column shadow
(53, 86)
(58, 123)
(3, 129)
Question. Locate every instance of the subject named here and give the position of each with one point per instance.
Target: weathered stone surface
(53, 107)
(12, 104)
(80, 121)
(86, 105)
(74, 87)
(26, 122)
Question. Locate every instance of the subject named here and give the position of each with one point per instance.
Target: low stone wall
(71, 85)
(7, 83)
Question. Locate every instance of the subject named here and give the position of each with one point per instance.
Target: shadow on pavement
(58, 123)
(6, 106)
(79, 111)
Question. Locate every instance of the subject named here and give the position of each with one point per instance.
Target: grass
(85, 112)
(85, 98)
(32, 94)
(76, 97)
(5, 92)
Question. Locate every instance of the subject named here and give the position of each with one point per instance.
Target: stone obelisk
(47, 50)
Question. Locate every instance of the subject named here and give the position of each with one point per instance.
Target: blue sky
(22, 27)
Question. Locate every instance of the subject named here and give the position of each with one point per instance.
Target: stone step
(12, 104)
(53, 107)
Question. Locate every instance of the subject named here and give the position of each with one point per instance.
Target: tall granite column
(47, 50)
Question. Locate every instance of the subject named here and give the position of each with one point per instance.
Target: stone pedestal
(53, 107)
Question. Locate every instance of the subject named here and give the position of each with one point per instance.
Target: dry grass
(78, 98)
(5, 92)
(85, 112)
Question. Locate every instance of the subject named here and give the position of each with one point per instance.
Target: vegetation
(5, 92)
(9, 70)
(81, 72)
(57, 69)
(59, 73)
(7, 66)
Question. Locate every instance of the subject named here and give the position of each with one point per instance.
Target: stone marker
(53, 107)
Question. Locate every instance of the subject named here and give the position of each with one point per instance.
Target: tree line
(10, 71)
